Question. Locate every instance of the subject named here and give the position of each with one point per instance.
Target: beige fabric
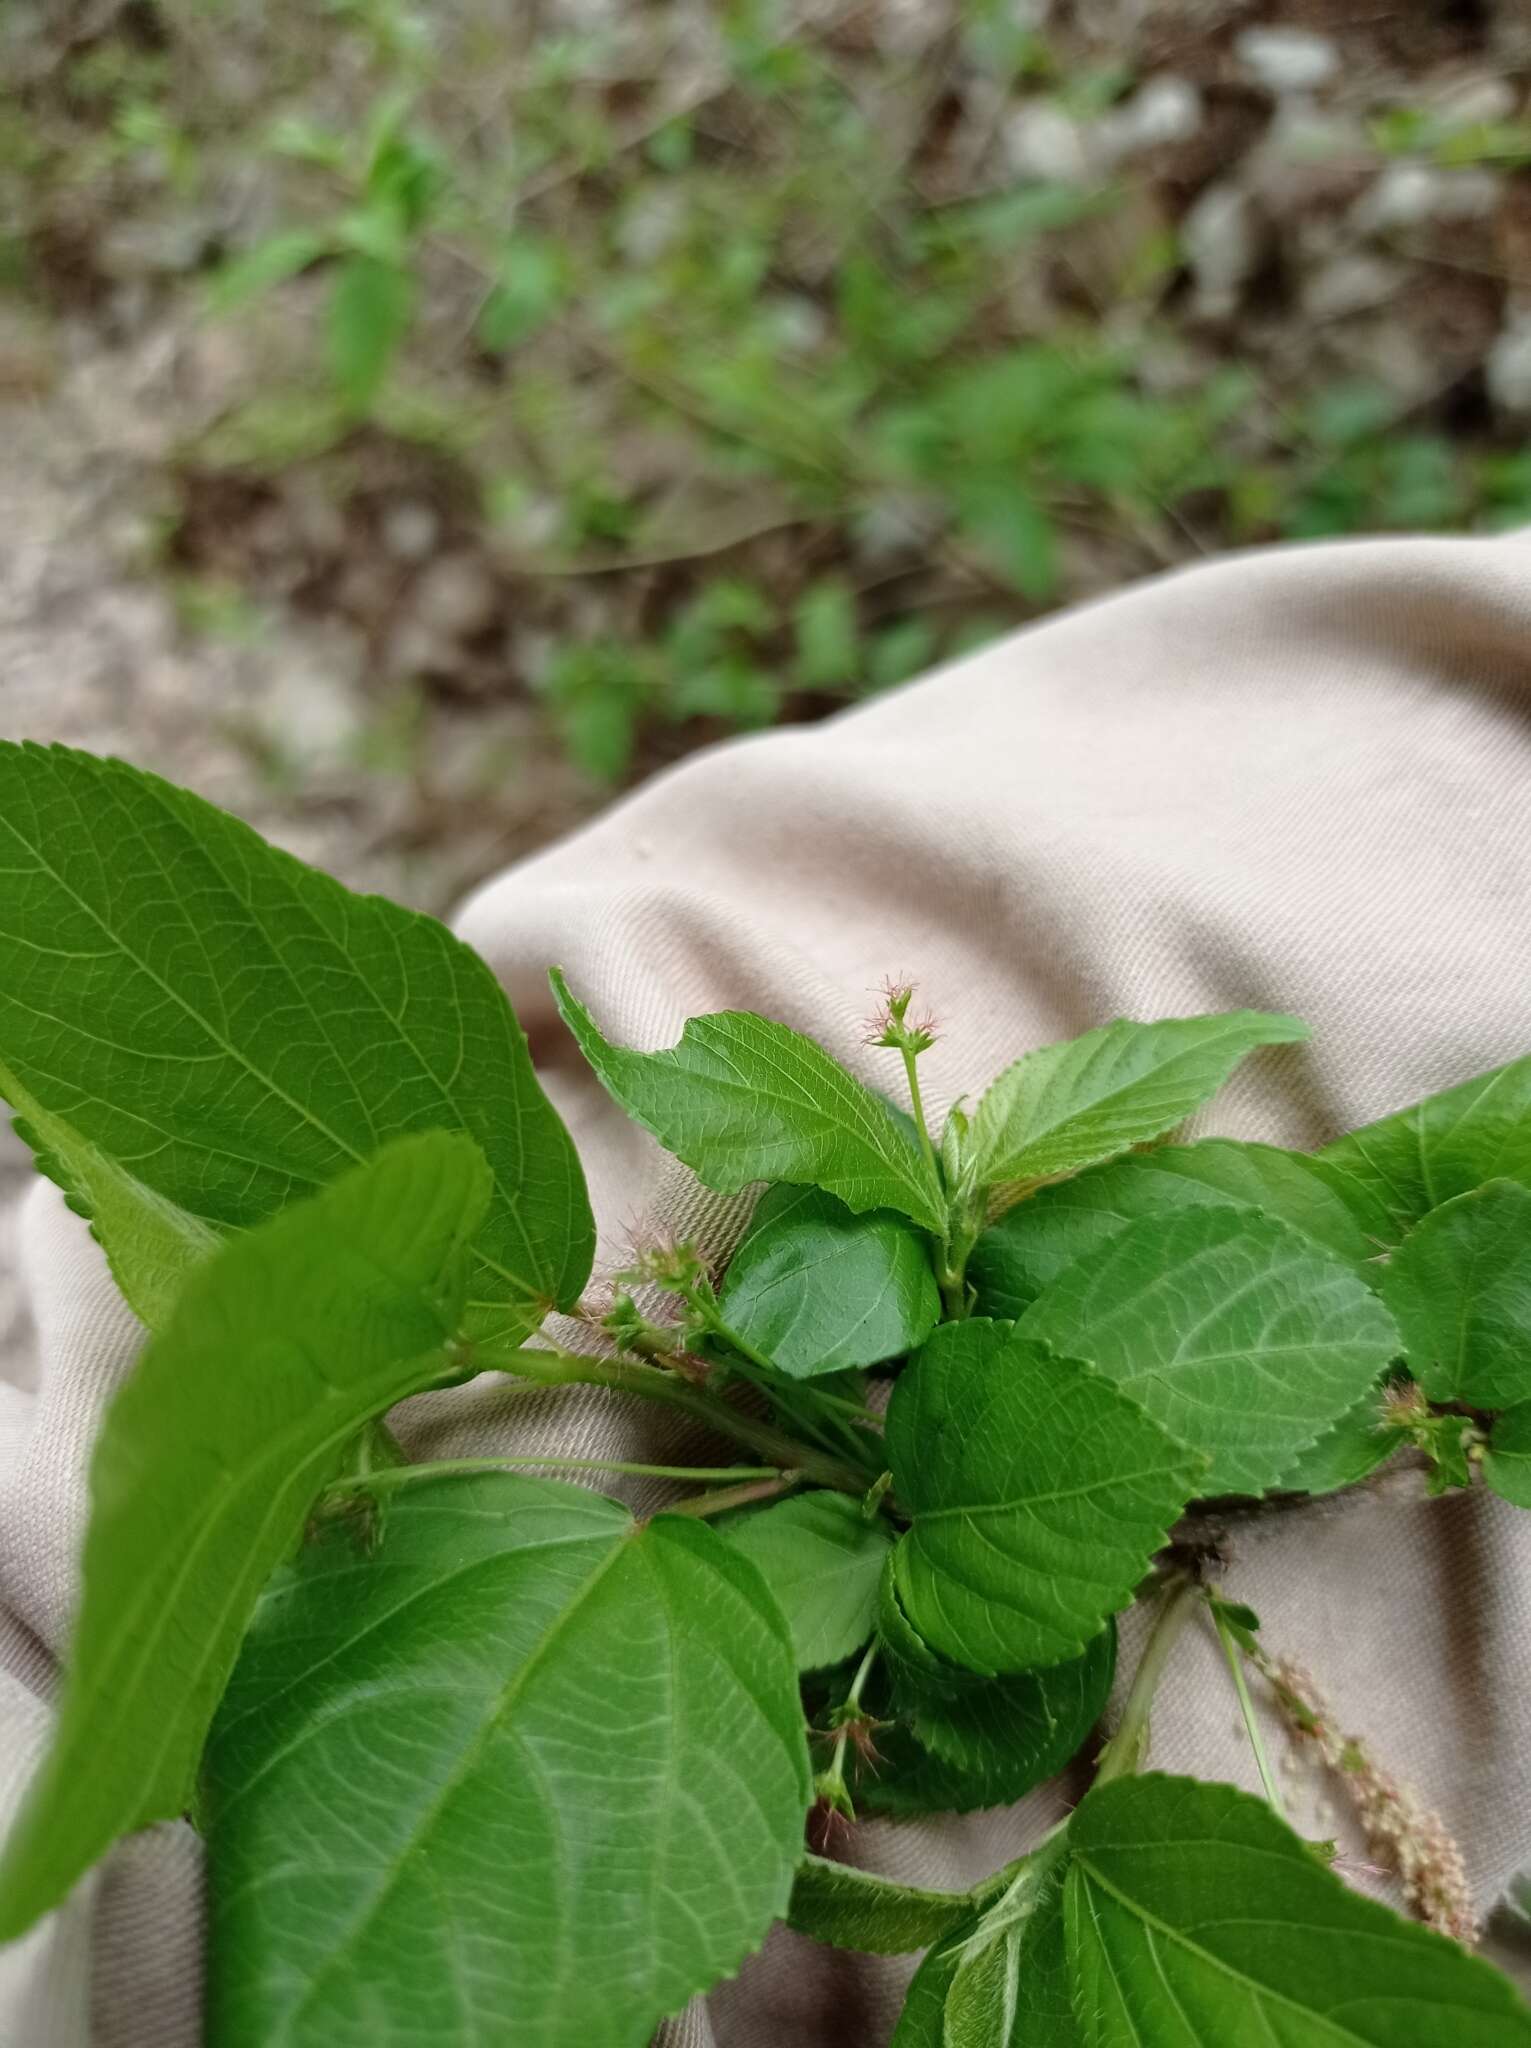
(1294, 780)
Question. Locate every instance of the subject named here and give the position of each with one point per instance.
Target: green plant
(478, 1754)
(396, 186)
(774, 312)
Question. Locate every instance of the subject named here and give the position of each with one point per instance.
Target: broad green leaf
(1357, 1444)
(1022, 1728)
(1038, 1240)
(371, 305)
(1444, 1146)
(281, 1346)
(527, 1772)
(1507, 1461)
(193, 1021)
(905, 1651)
(850, 1908)
(818, 1289)
(1243, 1339)
(1460, 1287)
(822, 1560)
(741, 1099)
(991, 1742)
(1194, 1916)
(1037, 1494)
(1067, 1106)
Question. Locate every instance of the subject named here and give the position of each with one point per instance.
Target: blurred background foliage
(671, 369)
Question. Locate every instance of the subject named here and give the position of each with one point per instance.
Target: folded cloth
(1292, 780)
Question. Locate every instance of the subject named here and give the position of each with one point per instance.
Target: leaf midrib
(503, 1701)
(1099, 1106)
(238, 1487)
(304, 1113)
(1180, 1939)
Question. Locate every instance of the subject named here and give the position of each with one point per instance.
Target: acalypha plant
(477, 1755)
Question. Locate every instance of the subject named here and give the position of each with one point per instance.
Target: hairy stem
(797, 1402)
(917, 1101)
(566, 1369)
(728, 1497)
(1125, 1751)
(954, 1294)
(405, 1475)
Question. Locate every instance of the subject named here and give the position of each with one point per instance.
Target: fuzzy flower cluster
(891, 1024)
(1399, 1830)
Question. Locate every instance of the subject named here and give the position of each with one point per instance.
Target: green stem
(1125, 1751)
(917, 1101)
(712, 1317)
(406, 1475)
(377, 1448)
(728, 1497)
(796, 1403)
(566, 1369)
(854, 1409)
(1247, 1708)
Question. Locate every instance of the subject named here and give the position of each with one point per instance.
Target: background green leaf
(1193, 1912)
(822, 1560)
(1444, 1146)
(1039, 1239)
(371, 304)
(819, 1289)
(1243, 1339)
(1067, 1106)
(828, 636)
(1038, 1493)
(232, 1029)
(742, 1099)
(850, 1908)
(527, 1772)
(279, 1349)
(267, 263)
(1460, 1287)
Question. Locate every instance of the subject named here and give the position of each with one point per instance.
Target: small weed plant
(479, 1755)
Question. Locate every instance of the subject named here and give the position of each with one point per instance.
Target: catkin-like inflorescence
(1400, 1830)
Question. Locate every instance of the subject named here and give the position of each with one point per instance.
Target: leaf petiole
(404, 1475)
(1126, 1750)
(727, 1497)
(1231, 1651)
(911, 1061)
(564, 1368)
